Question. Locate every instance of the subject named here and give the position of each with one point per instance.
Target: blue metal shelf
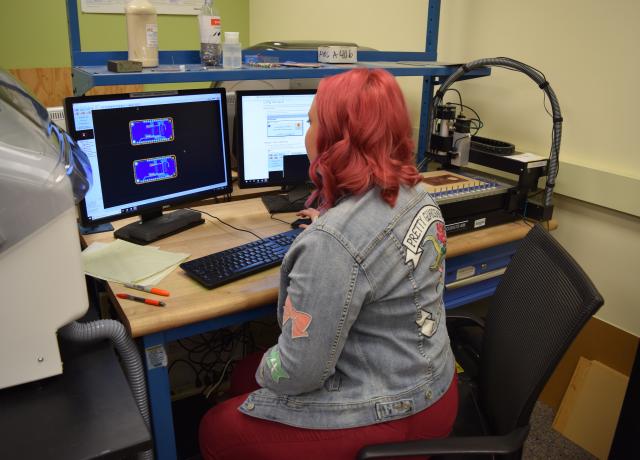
(86, 77)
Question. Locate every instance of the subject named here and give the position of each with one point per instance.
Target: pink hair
(363, 137)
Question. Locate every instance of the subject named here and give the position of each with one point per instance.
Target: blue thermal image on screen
(155, 169)
(151, 131)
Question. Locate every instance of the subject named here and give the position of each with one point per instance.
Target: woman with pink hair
(363, 356)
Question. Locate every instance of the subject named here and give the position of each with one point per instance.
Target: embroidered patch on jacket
(427, 323)
(275, 365)
(418, 233)
(300, 321)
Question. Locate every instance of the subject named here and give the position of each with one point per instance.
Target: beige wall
(587, 49)
(368, 23)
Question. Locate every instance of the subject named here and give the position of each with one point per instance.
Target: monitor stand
(100, 228)
(291, 201)
(155, 225)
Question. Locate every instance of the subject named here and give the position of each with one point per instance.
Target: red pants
(226, 433)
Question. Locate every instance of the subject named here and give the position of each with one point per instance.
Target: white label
(456, 225)
(338, 54)
(525, 157)
(465, 272)
(156, 357)
(210, 29)
(536, 164)
(418, 229)
(152, 35)
(480, 222)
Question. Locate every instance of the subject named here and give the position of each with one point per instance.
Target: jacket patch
(394, 409)
(275, 366)
(418, 233)
(300, 321)
(427, 324)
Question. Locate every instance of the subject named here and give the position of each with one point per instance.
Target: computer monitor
(271, 127)
(149, 151)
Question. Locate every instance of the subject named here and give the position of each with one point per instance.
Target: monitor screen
(150, 150)
(271, 126)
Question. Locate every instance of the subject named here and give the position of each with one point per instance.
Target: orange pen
(152, 290)
(153, 302)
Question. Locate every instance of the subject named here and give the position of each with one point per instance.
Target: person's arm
(327, 288)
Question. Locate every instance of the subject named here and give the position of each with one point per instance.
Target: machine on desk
(472, 199)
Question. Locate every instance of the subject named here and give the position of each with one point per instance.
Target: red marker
(156, 303)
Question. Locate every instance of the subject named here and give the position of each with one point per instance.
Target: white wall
(587, 49)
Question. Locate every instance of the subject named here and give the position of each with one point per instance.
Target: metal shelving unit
(89, 68)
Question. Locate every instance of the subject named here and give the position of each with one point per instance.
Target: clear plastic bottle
(210, 35)
(232, 51)
(142, 32)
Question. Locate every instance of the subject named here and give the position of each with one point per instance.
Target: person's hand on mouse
(310, 213)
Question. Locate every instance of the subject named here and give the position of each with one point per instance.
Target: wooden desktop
(191, 309)
(190, 302)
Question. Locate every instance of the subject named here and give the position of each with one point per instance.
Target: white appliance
(42, 284)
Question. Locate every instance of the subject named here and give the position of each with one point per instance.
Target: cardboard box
(588, 414)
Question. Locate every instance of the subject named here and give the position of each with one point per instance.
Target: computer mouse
(302, 221)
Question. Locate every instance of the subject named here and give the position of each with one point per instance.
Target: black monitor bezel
(239, 144)
(165, 204)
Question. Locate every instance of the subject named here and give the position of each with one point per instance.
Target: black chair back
(542, 302)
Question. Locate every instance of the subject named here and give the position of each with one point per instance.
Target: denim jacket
(363, 336)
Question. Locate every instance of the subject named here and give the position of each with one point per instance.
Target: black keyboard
(228, 265)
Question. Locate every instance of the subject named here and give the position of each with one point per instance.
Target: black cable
(228, 225)
(279, 220)
(544, 103)
(467, 107)
(193, 368)
(459, 97)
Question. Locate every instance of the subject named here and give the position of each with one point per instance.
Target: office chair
(541, 304)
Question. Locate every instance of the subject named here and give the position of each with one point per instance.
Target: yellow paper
(126, 262)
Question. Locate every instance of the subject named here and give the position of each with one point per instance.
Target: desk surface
(190, 302)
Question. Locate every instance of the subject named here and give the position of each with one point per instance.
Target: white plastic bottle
(210, 35)
(232, 51)
(142, 32)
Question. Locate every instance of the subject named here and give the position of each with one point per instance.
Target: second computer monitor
(271, 127)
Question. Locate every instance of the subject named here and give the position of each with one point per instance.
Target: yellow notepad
(126, 262)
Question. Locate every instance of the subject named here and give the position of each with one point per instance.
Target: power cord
(279, 220)
(228, 225)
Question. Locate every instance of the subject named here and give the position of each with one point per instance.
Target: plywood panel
(51, 85)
